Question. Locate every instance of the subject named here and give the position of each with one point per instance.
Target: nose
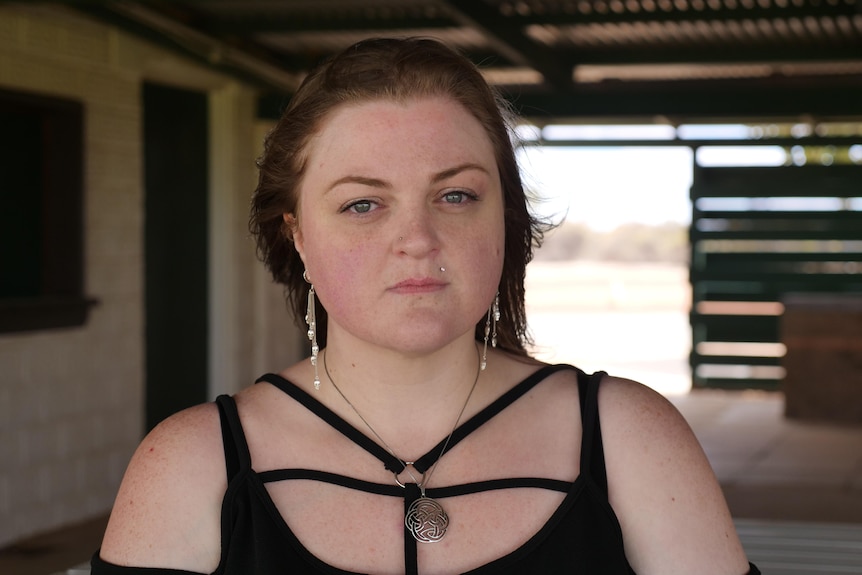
(417, 233)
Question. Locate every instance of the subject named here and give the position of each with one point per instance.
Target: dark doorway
(176, 207)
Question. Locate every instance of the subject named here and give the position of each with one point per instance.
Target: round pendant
(426, 520)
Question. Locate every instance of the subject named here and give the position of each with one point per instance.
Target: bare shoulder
(629, 407)
(167, 510)
(662, 488)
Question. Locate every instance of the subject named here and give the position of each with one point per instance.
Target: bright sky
(608, 186)
(605, 187)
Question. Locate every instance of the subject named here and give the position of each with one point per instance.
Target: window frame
(60, 301)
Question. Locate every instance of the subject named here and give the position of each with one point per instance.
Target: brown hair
(394, 69)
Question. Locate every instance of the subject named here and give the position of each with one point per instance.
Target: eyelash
(350, 207)
(465, 197)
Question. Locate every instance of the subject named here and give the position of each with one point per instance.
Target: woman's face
(400, 224)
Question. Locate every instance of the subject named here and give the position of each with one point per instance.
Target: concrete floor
(774, 468)
(53, 552)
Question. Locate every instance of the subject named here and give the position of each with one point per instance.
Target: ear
(294, 233)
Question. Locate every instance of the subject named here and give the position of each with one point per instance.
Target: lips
(418, 285)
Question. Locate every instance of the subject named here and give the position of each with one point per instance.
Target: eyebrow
(378, 183)
(446, 174)
(362, 180)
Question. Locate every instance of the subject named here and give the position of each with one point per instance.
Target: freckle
(673, 498)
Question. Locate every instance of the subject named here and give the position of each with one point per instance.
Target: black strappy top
(582, 536)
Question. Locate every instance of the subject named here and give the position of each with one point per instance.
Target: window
(41, 213)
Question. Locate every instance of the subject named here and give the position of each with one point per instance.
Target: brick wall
(71, 401)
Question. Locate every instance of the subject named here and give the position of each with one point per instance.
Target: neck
(411, 400)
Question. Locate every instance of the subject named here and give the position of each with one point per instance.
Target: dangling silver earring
(491, 329)
(311, 320)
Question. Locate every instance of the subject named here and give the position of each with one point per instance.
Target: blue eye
(457, 197)
(360, 207)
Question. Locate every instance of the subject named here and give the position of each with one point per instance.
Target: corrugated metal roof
(557, 57)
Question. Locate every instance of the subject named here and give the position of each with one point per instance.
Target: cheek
(339, 273)
(497, 243)
(486, 257)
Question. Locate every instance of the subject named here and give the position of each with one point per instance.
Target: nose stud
(442, 269)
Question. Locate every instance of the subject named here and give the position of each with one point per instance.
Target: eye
(359, 207)
(458, 197)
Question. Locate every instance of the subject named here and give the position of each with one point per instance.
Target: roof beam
(212, 51)
(694, 54)
(600, 13)
(509, 39)
(819, 97)
(308, 23)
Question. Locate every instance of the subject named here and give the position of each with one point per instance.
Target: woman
(420, 437)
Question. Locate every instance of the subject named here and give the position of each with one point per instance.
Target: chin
(426, 342)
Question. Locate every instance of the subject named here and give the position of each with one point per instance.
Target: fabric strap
(426, 461)
(236, 453)
(592, 451)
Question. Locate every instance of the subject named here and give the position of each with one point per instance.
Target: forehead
(430, 128)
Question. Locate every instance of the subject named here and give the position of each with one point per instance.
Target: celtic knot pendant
(426, 520)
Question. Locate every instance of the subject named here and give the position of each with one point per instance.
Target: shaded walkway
(781, 548)
(774, 468)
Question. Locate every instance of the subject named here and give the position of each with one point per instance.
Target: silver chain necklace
(426, 519)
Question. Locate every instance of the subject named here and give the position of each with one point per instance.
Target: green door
(176, 206)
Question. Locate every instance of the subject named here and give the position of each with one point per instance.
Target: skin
(374, 234)
(393, 192)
